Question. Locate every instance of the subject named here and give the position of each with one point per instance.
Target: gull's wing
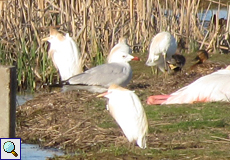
(104, 75)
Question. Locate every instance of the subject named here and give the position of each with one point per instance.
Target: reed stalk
(96, 27)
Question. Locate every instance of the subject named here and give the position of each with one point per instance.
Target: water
(23, 98)
(33, 151)
(223, 13)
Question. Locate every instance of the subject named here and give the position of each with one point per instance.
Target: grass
(186, 118)
(188, 131)
(196, 131)
(192, 126)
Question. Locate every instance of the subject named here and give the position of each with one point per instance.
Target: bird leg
(165, 76)
(155, 70)
(166, 67)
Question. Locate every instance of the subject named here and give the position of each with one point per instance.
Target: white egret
(126, 108)
(65, 54)
(162, 47)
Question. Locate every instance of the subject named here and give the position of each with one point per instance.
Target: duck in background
(177, 62)
(201, 57)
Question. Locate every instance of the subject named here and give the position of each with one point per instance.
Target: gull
(121, 46)
(116, 71)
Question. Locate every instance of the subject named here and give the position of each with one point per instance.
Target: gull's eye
(124, 56)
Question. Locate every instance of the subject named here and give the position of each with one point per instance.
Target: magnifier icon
(9, 147)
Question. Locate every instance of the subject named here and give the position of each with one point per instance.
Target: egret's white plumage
(212, 87)
(126, 108)
(65, 54)
(117, 71)
(162, 47)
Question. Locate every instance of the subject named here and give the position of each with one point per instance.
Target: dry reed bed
(96, 27)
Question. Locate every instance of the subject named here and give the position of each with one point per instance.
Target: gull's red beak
(136, 59)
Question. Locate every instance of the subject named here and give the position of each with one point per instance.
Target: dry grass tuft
(54, 120)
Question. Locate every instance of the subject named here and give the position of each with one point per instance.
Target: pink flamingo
(209, 88)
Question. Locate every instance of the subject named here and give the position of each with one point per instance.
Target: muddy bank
(78, 122)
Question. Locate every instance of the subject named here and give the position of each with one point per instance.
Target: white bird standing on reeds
(209, 88)
(162, 47)
(126, 108)
(99, 78)
(64, 53)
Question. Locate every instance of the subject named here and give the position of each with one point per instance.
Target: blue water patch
(21, 99)
(34, 152)
(223, 13)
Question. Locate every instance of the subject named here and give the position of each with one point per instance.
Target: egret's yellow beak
(102, 94)
(46, 39)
